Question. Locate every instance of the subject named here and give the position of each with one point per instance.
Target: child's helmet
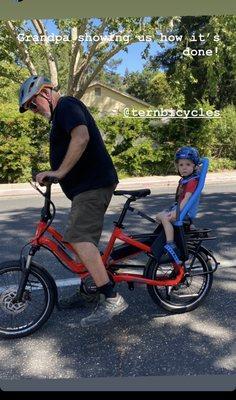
(189, 153)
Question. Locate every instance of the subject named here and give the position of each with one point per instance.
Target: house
(110, 101)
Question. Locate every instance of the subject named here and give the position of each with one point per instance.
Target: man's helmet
(189, 153)
(29, 88)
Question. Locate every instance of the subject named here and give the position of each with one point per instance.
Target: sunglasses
(32, 105)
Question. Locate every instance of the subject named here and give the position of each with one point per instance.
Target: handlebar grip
(50, 180)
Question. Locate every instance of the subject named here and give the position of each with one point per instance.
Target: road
(144, 340)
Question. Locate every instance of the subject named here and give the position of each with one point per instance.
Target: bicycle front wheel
(187, 295)
(18, 319)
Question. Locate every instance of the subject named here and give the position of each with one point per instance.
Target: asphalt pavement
(144, 341)
(223, 177)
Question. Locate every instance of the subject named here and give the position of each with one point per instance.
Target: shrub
(137, 146)
(23, 147)
(132, 144)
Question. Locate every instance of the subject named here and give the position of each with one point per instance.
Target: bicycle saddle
(135, 193)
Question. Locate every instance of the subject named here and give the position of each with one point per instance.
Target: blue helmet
(189, 153)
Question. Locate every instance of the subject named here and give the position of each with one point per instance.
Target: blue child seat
(190, 209)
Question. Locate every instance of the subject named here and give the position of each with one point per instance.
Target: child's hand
(172, 215)
(166, 216)
(158, 219)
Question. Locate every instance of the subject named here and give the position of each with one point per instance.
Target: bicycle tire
(40, 282)
(170, 303)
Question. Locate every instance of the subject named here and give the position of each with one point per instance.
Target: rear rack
(196, 234)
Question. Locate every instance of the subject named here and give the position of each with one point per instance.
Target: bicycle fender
(208, 253)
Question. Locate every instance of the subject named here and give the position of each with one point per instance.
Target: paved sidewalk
(23, 189)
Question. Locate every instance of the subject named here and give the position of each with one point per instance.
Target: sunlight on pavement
(38, 359)
(226, 285)
(202, 326)
(228, 362)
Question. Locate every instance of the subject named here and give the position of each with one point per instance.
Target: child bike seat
(190, 209)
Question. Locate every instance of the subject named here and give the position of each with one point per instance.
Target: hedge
(138, 147)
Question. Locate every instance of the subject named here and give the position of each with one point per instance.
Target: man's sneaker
(105, 310)
(78, 299)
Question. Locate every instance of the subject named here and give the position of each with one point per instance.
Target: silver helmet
(30, 87)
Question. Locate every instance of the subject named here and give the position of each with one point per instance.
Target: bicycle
(28, 293)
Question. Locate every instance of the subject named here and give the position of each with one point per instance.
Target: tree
(109, 77)
(201, 77)
(80, 49)
(149, 86)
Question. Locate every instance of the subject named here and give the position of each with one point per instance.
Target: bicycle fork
(25, 273)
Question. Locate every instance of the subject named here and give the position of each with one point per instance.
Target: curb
(25, 189)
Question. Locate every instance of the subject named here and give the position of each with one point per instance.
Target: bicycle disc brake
(7, 301)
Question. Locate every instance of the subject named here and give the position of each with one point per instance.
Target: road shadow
(216, 211)
(144, 340)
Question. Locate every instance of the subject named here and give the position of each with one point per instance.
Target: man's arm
(78, 143)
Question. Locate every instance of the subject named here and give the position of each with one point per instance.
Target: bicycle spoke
(19, 316)
(188, 293)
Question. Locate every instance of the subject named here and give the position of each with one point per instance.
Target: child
(187, 161)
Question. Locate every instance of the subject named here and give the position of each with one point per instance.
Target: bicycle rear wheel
(187, 295)
(25, 317)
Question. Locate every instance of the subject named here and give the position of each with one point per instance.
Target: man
(87, 176)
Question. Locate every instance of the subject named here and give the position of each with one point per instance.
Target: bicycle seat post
(124, 211)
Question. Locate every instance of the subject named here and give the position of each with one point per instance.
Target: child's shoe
(173, 251)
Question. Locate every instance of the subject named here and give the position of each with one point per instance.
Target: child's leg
(167, 225)
(170, 246)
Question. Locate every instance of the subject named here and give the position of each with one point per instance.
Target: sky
(131, 60)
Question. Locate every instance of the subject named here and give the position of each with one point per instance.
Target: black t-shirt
(95, 168)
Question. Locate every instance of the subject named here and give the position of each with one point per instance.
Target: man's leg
(111, 303)
(90, 257)
(83, 232)
(84, 226)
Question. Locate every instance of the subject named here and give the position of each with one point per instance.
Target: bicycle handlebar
(49, 180)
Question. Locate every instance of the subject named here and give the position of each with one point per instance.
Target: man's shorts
(85, 222)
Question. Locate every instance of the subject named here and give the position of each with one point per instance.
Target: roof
(97, 83)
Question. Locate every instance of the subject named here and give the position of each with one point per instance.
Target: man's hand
(42, 175)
